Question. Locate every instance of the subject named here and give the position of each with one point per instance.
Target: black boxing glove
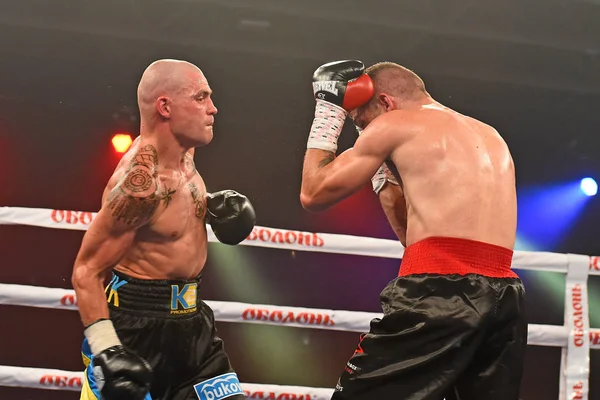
(343, 83)
(119, 374)
(338, 87)
(230, 215)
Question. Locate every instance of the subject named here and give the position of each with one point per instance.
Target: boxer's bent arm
(326, 180)
(130, 205)
(393, 204)
(101, 249)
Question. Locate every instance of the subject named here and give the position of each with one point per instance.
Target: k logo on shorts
(220, 387)
(112, 290)
(184, 298)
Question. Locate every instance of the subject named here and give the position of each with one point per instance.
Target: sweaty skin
(457, 174)
(151, 224)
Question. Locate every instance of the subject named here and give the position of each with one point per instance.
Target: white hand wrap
(101, 335)
(382, 176)
(327, 126)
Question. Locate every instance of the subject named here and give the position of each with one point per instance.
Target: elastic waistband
(167, 297)
(446, 256)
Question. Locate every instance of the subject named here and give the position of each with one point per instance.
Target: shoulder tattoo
(135, 199)
(146, 156)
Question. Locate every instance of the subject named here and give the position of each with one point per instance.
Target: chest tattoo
(167, 195)
(198, 200)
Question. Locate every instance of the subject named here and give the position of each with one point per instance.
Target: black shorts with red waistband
(453, 327)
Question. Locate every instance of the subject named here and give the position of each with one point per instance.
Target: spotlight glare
(589, 187)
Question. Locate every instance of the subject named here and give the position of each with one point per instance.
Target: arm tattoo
(134, 200)
(198, 200)
(328, 159)
(132, 210)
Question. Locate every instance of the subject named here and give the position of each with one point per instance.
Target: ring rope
(288, 239)
(38, 378)
(297, 317)
(576, 337)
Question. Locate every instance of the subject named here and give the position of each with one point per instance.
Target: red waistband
(445, 256)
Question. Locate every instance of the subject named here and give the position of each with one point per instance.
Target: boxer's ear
(387, 102)
(163, 107)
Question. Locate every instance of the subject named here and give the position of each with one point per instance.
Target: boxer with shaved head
(148, 334)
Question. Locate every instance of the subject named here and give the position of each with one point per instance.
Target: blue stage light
(589, 186)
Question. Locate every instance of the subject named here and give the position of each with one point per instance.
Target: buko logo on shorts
(220, 387)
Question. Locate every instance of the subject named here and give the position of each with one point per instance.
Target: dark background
(68, 74)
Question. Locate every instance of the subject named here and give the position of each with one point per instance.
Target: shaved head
(396, 80)
(165, 78)
(174, 99)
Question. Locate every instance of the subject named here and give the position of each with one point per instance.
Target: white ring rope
(288, 239)
(298, 317)
(38, 378)
(575, 337)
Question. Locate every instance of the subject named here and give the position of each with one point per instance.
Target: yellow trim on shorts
(86, 392)
(86, 360)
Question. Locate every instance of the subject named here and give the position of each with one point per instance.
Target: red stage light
(121, 142)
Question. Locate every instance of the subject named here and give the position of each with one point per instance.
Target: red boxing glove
(343, 83)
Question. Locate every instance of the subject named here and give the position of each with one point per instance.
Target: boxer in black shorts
(452, 328)
(148, 335)
(453, 322)
(166, 323)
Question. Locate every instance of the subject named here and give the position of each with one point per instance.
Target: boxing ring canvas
(576, 338)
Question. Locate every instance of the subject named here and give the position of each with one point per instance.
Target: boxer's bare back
(457, 174)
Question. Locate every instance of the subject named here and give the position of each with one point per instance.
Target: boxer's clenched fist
(119, 373)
